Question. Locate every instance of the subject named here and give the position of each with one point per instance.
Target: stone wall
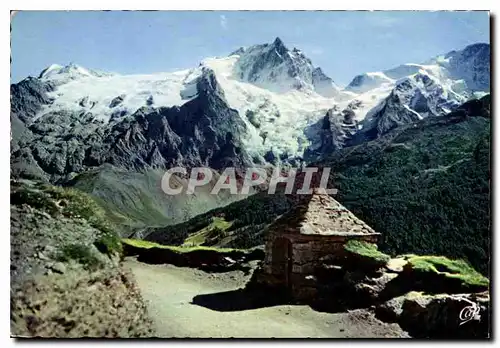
(306, 254)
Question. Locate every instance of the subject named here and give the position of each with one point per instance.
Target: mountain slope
(60, 145)
(135, 200)
(276, 68)
(262, 105)
(381, 101)
(424, 186)
(270, 99)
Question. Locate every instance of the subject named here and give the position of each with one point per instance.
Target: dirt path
(170, 292)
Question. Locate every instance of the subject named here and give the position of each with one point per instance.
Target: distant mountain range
(263, 105)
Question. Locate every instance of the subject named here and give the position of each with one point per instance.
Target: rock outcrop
(440, 315)
(206, 259)
(427, 296)
(277, 68)
(66, 276)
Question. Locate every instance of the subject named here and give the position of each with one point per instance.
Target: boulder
(440, 315)
(391, 310)
(373, 288)
(58, 267)
(438, 274)
(364, 256)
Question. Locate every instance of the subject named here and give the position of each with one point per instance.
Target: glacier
(280, 95)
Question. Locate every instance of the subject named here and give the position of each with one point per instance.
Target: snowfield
(91, 93)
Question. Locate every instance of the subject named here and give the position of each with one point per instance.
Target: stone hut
(316, 227)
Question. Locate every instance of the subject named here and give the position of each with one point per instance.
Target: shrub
(34, 198)
(80, 253)
(57, 201)
(109, 244)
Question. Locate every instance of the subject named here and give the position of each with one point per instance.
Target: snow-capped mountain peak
(274, 67)
(368, 81)
(416, 91)
(277, 93)
(472, 64)
(62, 74)
(279, 69)
(279, 46)
(56, 71)
(464, 71)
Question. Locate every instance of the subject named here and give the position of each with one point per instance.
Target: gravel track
(185, 302)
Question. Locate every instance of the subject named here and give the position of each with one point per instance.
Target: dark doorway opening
(282, 259)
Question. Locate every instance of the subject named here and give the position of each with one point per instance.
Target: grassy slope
(93, 290)
(440, 265)
(143, 244)
(247, 219)
(59, 203)
(214, 231)
(134, 200)
(430, 196)
(449, 268)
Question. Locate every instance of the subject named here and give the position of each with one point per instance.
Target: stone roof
(320, 214)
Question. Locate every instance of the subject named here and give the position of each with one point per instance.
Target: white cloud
(223, 22)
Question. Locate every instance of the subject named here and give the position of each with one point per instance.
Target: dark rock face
(332, 132)
(476, 107)
(116, 101)
(473, 65)
(335, 130)
(204, 131)
(28, 96)
(57, 146)
(392, 115)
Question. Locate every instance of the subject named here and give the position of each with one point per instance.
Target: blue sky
(344, 44)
